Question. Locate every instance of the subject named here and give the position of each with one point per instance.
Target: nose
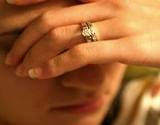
(89, 78)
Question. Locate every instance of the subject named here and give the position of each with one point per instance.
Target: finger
(23, 2)
(127, 51)
(51, 20)
(61, 39)
(77, 57)
(55, 42)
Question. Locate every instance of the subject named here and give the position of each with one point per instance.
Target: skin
(29, 2)
(32, 102)
(135, 42)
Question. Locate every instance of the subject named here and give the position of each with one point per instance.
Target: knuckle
(56, 39)
(131, 27)
(56, 62)
(127, 25)
(120, 4)
(116, 4)
(56, 35)
(45, 20)
(79, 52)
(52, 71)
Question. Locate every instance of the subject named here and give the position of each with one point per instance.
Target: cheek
(89, 76)
(22, 99)
(103, 78)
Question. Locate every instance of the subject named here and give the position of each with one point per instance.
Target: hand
(128, 33)
(15, 18)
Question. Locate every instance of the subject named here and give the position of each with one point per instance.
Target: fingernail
(10, 1)
(34, 73)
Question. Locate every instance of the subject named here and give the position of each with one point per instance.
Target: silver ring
(88, 32)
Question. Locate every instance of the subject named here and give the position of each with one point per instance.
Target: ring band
(88, 32)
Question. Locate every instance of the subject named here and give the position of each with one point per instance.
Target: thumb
(23, 2)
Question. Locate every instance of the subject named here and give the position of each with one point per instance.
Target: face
(47, 102)
(81, 97)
